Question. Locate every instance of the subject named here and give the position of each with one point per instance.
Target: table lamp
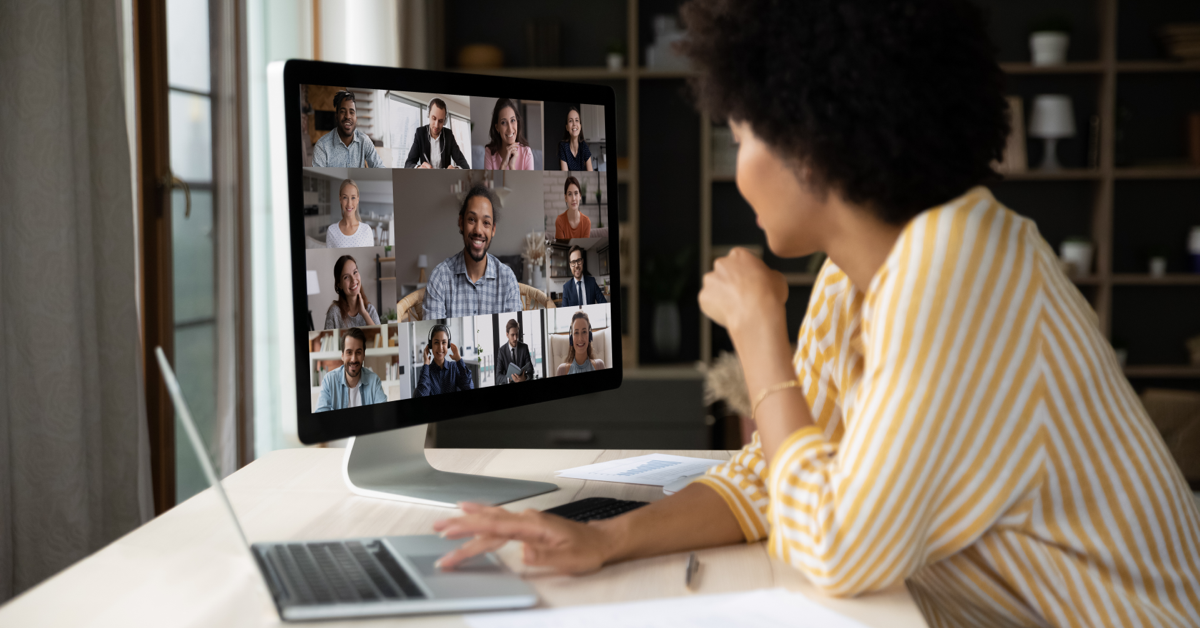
(1052, 119)
(313, 288)
(422, 263)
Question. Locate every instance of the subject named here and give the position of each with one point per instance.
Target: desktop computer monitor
(454, 251)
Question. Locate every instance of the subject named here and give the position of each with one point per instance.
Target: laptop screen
(453, 243)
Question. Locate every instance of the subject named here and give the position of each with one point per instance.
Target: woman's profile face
(349, 280)
(579, 335)
(573, 125)
(349, 201)
(788, 211)
(506, 125)
(573, 196)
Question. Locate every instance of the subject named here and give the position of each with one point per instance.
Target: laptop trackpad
(482, 564)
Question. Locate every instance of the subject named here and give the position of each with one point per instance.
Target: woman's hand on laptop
(550, 541)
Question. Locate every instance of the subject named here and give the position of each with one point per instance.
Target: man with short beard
(351, 385)
(473, 281)
(346, 146)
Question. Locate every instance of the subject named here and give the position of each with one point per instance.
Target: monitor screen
(454, 244)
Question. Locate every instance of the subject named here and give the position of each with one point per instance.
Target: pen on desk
(689, 575)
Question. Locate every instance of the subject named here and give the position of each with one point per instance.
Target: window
(405, 117)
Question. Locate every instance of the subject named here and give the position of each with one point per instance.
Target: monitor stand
(392, 465)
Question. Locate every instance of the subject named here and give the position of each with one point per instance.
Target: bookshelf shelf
(1162, 371)
(1074, 67)
(1158, 172)
(1173, 279)
(1157, 66)
(1066, 174)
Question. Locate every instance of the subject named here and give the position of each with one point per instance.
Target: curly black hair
(896, 104)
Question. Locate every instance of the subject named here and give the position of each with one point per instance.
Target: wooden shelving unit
(1105, 71)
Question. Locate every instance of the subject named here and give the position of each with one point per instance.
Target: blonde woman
(954, 418)
(579, 355)
(349, 232)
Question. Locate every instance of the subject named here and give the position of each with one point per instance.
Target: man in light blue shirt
(473, 282)
(346, 146)
(350, 385)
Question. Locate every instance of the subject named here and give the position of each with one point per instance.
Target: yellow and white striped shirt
(976, 438)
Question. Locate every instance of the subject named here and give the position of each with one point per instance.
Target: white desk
(187, 568)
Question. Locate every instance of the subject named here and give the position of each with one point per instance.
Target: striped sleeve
(741, 482)
(940, 434)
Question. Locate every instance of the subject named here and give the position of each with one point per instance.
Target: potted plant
(1076, 255)
(1156, 259)
(666, 277)
(615, 57)
(1048, 40)
(583, 193)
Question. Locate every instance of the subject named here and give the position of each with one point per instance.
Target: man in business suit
(582, 288)
(433, 145)
(513, 352)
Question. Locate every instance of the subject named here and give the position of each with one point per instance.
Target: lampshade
(422, 261)
(313, 288)
(1053, 117)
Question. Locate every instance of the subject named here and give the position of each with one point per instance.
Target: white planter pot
(1077, 256)
(615, 60)
(666, 330)
(1049, 47)
(1158, 266)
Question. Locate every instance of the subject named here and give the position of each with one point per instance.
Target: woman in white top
(349, 231)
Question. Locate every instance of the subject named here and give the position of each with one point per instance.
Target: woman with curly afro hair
(953, 417)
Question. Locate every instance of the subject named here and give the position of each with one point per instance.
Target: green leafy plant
(391, 314)
(666, 274)
(1056, 23)
(615, 46)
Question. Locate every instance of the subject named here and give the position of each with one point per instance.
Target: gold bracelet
(774, 388)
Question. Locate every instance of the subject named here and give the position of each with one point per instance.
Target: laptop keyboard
(341, 572)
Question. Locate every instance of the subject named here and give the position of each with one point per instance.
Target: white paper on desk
(771, 607)
(648, 470)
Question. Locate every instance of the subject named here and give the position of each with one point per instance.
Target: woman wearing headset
(954, 419)
(352, 309)
(579, 356)
(441, 375)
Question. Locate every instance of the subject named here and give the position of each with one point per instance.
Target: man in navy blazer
(433, 145)
(582, 288)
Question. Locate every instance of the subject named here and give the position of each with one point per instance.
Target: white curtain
(74, 459)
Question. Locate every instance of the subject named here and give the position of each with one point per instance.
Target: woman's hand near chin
(741, 289)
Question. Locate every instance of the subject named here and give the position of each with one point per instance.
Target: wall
(427, 216)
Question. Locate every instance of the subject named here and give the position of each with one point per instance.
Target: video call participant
(513, 352)
(352, 309)
(433, 145)
(359, 233)
(572, 223)
(579, 356)
(473, 281)
(350, 385)
(441, 375)
(347, 147)
(573, 151)
(582, 288)
(507, 149)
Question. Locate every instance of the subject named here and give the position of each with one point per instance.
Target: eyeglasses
(577, 262)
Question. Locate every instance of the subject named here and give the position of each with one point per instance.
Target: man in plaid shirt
(473, 282)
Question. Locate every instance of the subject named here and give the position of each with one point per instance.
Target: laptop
(363, 577)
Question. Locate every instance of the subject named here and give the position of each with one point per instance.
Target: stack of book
(1182, 41)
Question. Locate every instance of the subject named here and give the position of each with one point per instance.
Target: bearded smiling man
(351, 385)
(473, 282)
(347, 147)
